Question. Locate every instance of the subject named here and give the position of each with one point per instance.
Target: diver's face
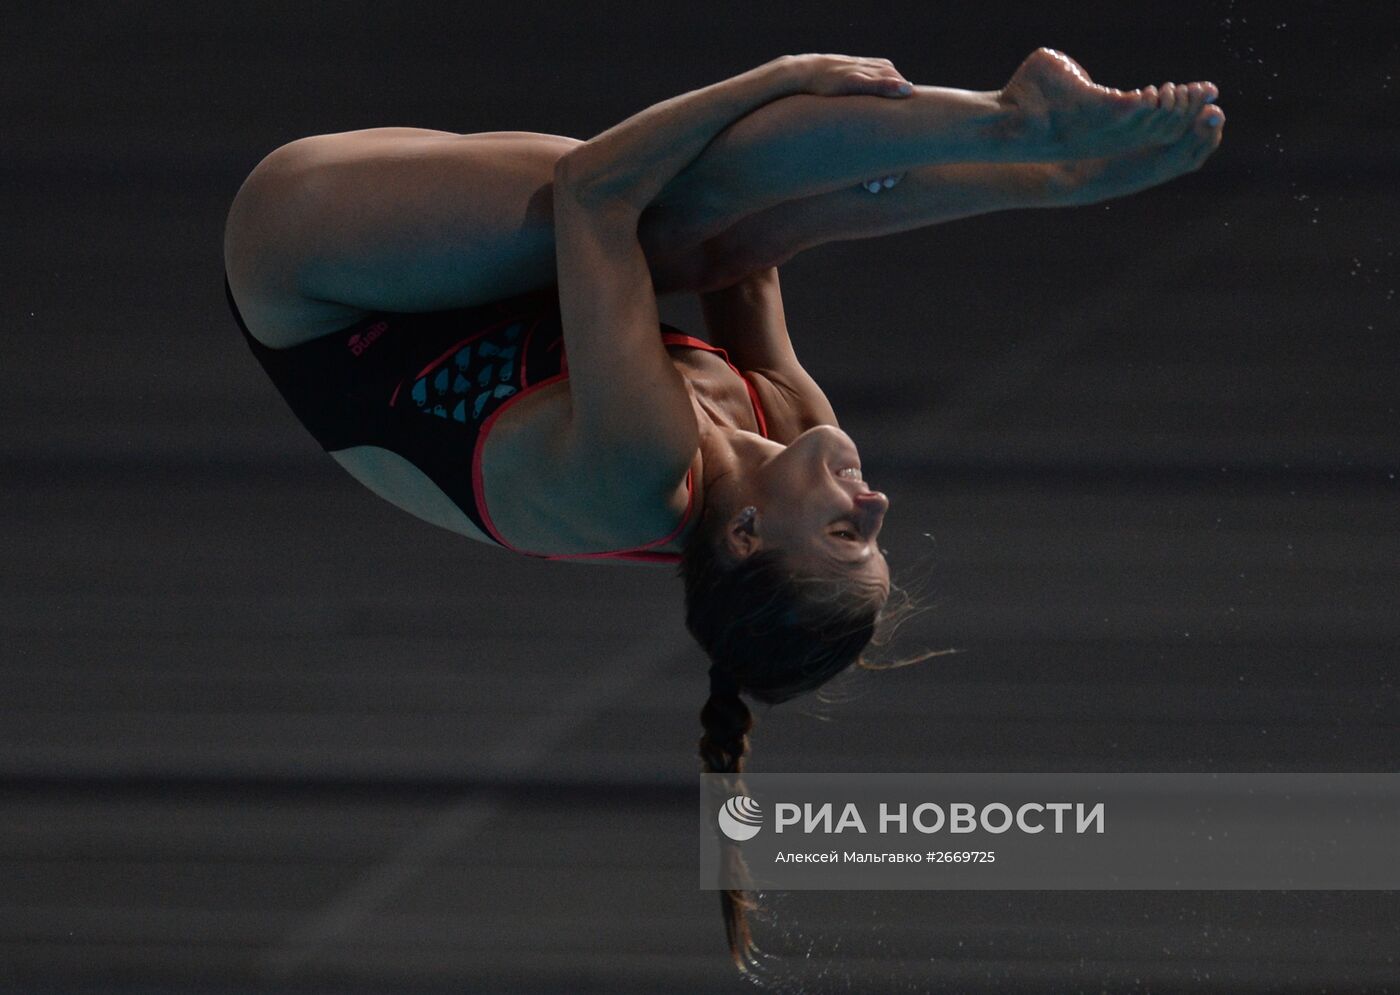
(812, 503)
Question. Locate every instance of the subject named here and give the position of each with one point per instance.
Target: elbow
(594, 181)
(570, 171)
(577, 174)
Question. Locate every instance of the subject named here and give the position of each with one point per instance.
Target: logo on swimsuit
(361, 341)
(740, 818)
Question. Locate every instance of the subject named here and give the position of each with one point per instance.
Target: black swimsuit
(429, 387)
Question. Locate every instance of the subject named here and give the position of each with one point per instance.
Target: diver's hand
(847, 75)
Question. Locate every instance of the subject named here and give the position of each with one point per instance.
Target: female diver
(468, 324)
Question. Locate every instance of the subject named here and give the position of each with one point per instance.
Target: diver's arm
(746, 319)
(632, 433)
(634, 160)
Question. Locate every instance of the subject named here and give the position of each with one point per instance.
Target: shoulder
(542, 496)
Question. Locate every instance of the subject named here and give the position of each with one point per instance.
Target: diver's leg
(330, 227)
(933, 194)
(801, 146)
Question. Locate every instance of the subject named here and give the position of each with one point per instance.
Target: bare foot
(1176, 107)
(1059, 113)
(1198, 127)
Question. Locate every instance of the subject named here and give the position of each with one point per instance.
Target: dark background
(260, 731)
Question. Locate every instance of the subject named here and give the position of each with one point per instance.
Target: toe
(1203, 138)
(1168, 92)
(1194, 95)
(1166, 125)
(1195, 99)
(1209, 122)
(1204, 147)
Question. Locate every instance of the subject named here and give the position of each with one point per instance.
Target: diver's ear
(740, 534)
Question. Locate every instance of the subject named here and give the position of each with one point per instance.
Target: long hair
(772, 635)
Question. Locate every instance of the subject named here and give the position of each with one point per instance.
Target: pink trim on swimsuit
(680, 338)
(458, 345)
(461, 343)
(644, 553)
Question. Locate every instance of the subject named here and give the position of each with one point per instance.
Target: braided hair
(727, 721)
(772, 635)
